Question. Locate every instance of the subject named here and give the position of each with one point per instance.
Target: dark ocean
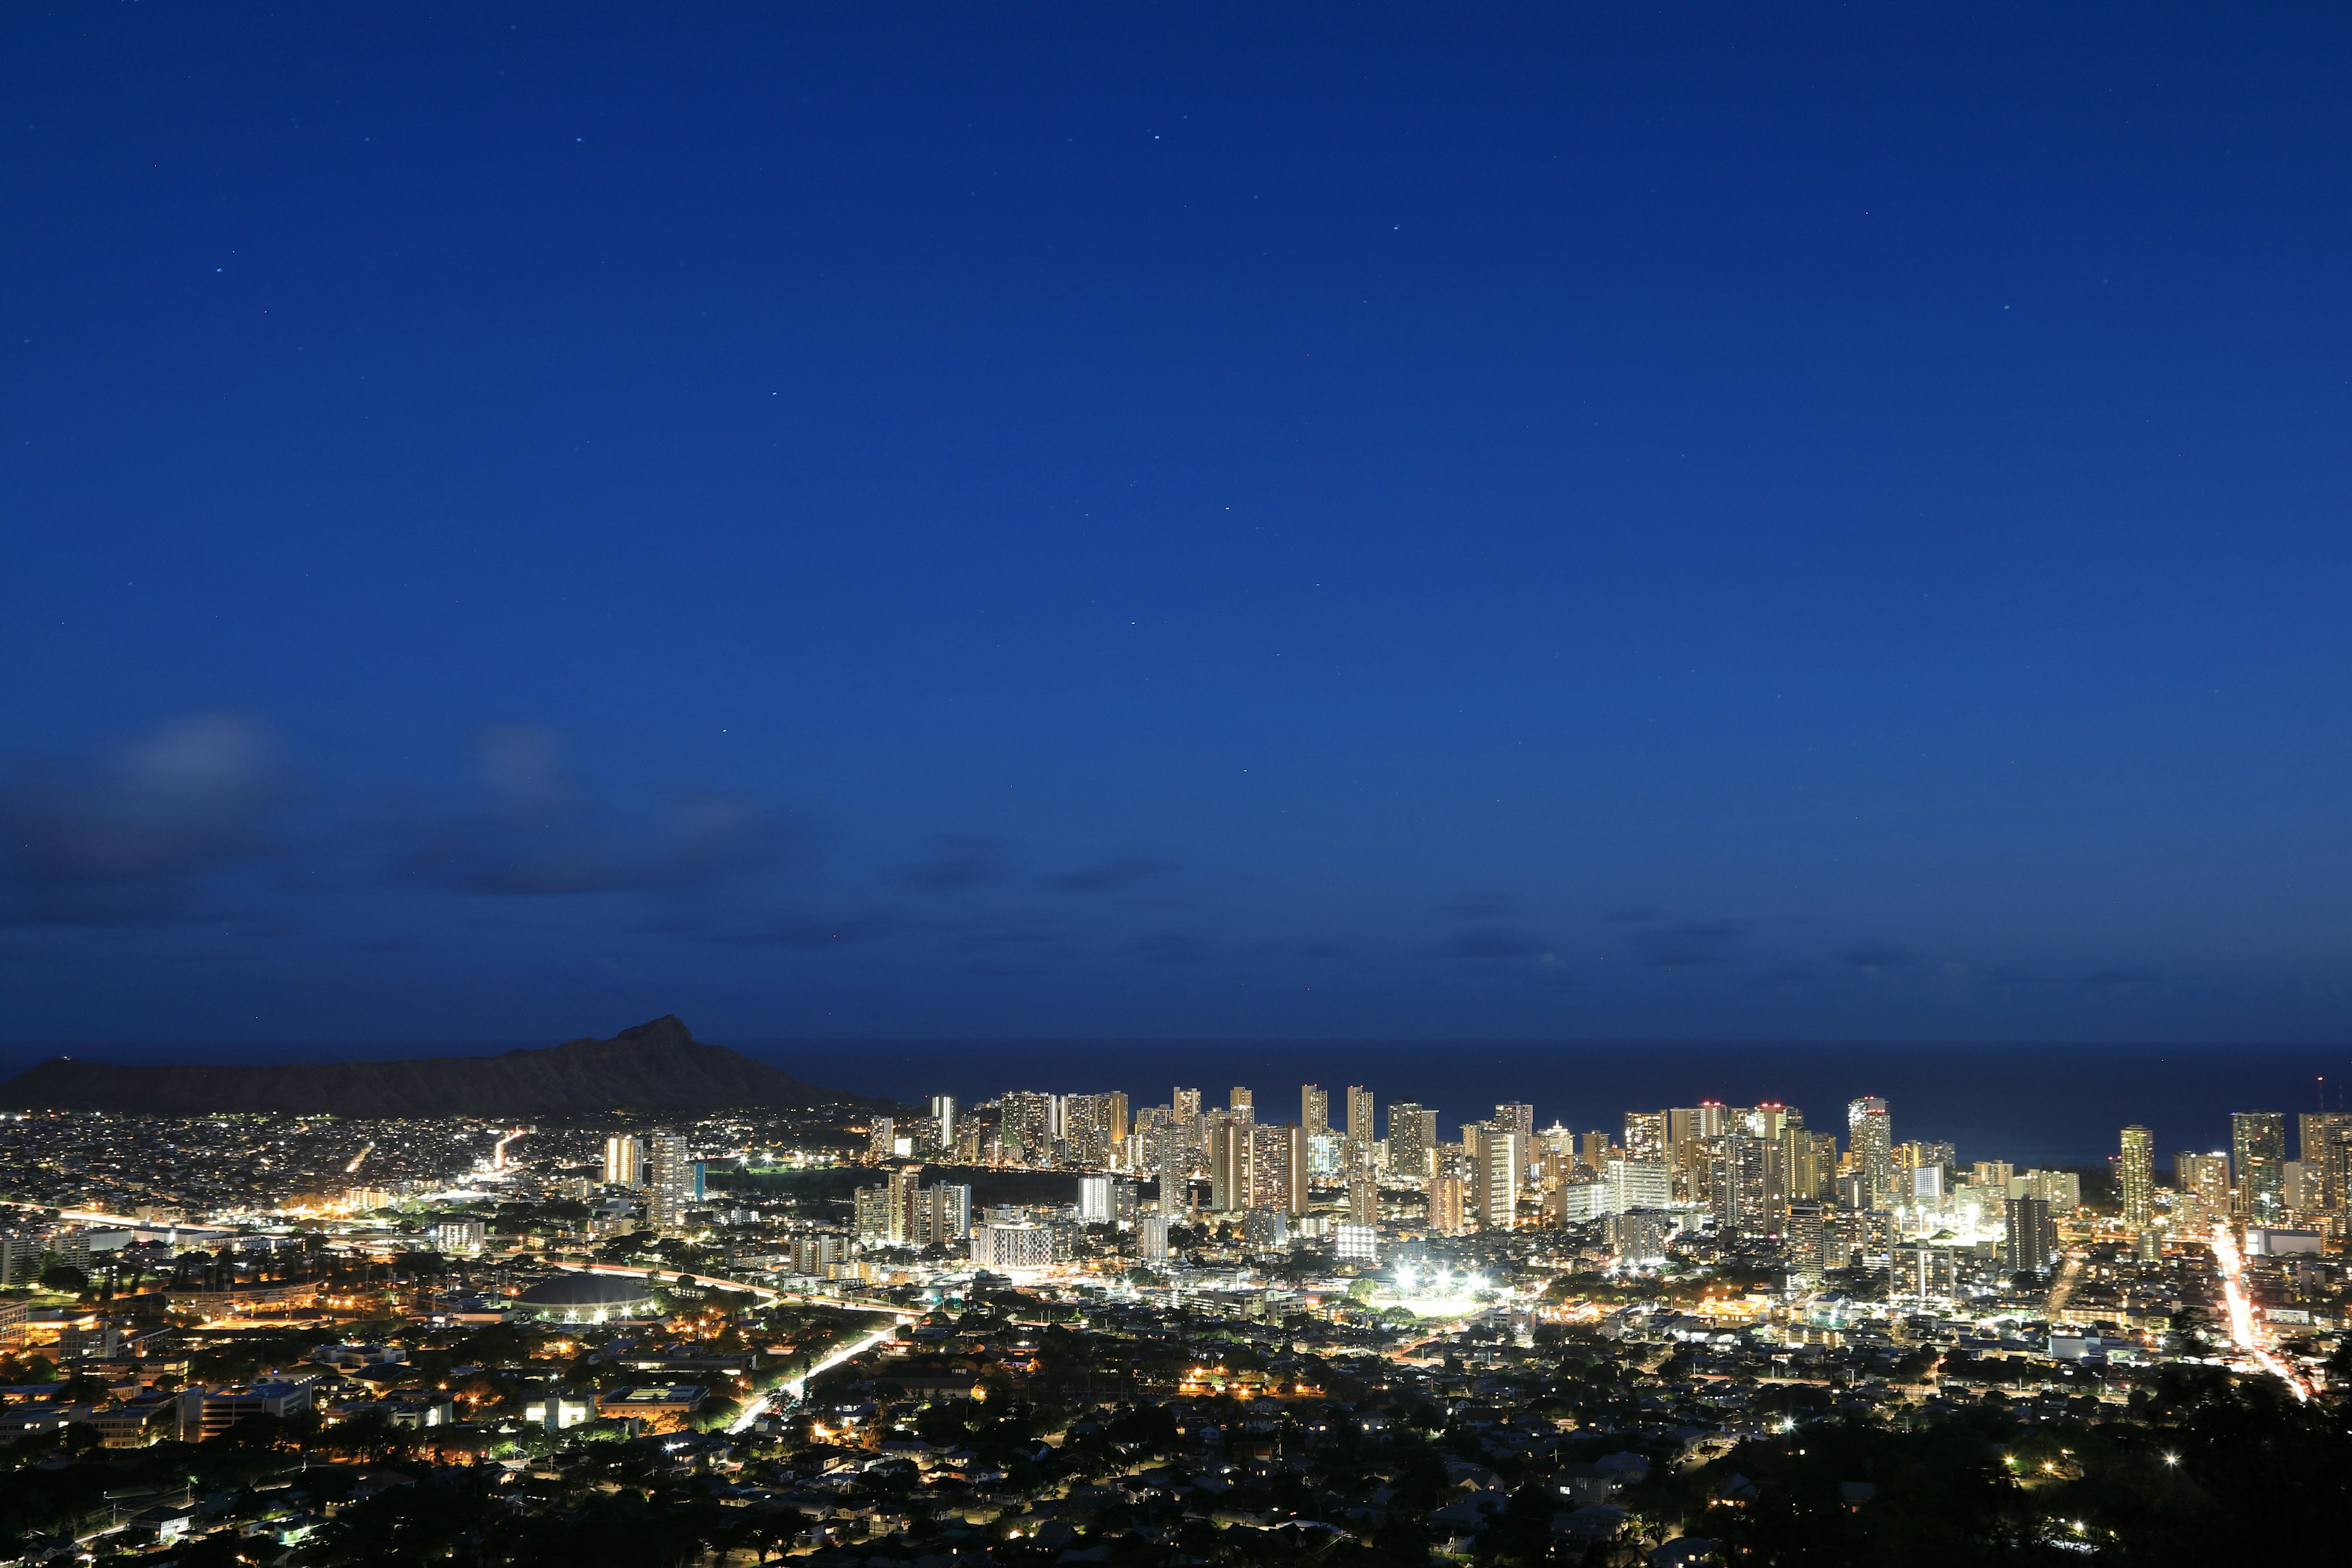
(2031, 1104)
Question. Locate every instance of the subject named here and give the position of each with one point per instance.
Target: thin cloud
(1688, 944)
(538, 834)
(956, 864)
(1110, 878)
(1491, 941)
(135, 835)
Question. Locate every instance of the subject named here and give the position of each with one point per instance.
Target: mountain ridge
(656, 1066)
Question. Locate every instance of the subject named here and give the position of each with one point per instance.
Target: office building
(1804, 1242)
(1025, 1127)
(1748, 1185)
(1094, 1126)
(1498, 1162)
(1869, 1135)
(2031, 1242)
(1646, 1134)
(817, 1254)
(2061, 1190)
(2135, 1177)
(1448, 1210)
(1007, 1247)
(1636, 1185)
(1412, 1135)
(625, 1160)
(2324, 1145)
(1639, 1236)
(1355, 1242)
(458, 1235)
(1277, 1169)
(2258, 1150)
(2201, 1198)
(669, 1183)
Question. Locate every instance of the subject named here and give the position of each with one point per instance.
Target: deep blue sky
(1151, 521)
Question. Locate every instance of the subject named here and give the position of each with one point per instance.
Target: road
(796, 1387)
(2244, 1329)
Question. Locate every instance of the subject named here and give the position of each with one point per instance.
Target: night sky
(1137, 521)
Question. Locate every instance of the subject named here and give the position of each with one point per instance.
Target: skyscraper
(1412, 1133)
(2203, 1198)
(1094, 1200)
(2258, 1145)
(1187, 1104)
(1496, 1164)
(1229, 1160)
(1519, 1119)
(881, 1137)
(1747, 1189)
(1364, 1199)
(625, 1160)
(1025, 1122)
(1447, 1210)
(1279, 1169)
(1646, 1134)
(1359, 1114)
(2323, 1137)
(944, 1119)
(1315, 1110)
(1244, 1104)
(1870, 1134)
(2032, 1239)
(2135, 1174)
(669, 1183)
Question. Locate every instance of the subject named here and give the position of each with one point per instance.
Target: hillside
(657, 1066)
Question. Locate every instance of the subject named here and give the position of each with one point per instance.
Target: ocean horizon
(2043, 1104)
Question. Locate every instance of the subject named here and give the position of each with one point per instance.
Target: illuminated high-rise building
(625, 1160)
(2258, 1148)
(1497, 1164)
(1412, 1133)
(2324, 1145)
(1187, 1104)
(1592, 1150)
(2202, 1195)
(1747, 1186)
(1646, 1134)
(1364, 1199)
(881, 1137)
(1870, 1134)
(1315, 1110)
(1229, 1162)
(1025, 1126)
(2136, 1175)
(1359, 1114)
(944, 1119)
(1277, 1169)
(2031, 1242)
(669, 1183)
(1244, 1104)
(1448, 1209)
